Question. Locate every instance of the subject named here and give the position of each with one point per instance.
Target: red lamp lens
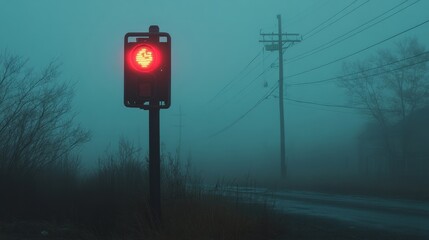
(144, 58)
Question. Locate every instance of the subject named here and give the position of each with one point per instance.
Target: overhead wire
(333, 105)
(359, 51)
(330, 24)
(246, 113)
(264, 71)
(266, 96)
(367, 70)
(327, 20)
(321, 108)
(223, 89)
(338, 39)
(324, 104)
(329, 104)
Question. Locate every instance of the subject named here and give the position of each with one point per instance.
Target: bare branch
(36, 122)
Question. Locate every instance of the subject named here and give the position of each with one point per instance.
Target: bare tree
(36, 119)
(391, 85)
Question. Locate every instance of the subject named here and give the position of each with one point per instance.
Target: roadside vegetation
(46, 194)
(111, 202)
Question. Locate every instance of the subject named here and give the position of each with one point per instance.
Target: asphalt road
(396, 216)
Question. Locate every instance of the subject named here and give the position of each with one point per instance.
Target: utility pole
(276, 44)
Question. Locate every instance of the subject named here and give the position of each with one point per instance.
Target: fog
(213, 84)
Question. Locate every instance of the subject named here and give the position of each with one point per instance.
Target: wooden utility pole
(277, 45)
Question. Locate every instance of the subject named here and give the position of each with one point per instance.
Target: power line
(257, 77)
(267, 69)
(322, 104)
(327, 20)
(321, 47)
(261, 74)
(333, 105)
(357, 52)
(348, 13)
(246, 113)
(237, 77)
(338, 39)
(325, 104)
(321, 108)
(264, 71)
(367, 70)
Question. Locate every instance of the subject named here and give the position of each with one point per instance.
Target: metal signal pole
(147, 85)
(154, 164)
(277, 45)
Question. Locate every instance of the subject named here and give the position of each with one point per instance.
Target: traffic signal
(147, 69)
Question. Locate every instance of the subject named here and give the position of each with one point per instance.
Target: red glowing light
(144, 58)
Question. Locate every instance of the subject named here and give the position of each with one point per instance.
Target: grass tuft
(111, 202)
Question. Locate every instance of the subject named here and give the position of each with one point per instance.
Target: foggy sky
(212, 41)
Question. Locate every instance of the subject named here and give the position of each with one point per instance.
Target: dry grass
(112, 203)
(213, 217)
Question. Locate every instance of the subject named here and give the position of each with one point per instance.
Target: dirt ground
(296, 228)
